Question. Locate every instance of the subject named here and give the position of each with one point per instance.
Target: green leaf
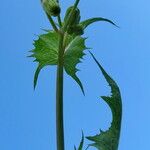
(88, 22)
(37, 74)
(81, 143)
(109, 140)
(45, 51)
(73, 54)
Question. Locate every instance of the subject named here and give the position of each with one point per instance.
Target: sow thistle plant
(64, 47)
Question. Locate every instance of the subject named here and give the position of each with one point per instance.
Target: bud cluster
(73, 27)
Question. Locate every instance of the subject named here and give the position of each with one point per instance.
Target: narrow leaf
(37, 74)
(88, 22)
(73, 54)
(75, 148)
(109, 140)
(81, 143)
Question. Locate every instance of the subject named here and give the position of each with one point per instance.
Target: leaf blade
(81, 143)
(109, 139)
(73, 55)
(90, 21)
(45, 52)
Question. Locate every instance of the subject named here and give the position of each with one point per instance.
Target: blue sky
(27, 117)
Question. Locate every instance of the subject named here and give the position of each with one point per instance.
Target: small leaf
(37, 74)
(88, 22)
(109, 140)
(45, 51)
(81, 143)
(75, 148)
(73, 54)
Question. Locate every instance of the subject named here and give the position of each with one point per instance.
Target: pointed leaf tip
(90, 21)
(109, 139)
(81, 143)
(45, 52)
(73, 54)
(36, 75)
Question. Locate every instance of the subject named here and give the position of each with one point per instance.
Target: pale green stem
(65, 40)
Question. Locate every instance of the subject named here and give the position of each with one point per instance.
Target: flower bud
(51, 7)
(75, 18)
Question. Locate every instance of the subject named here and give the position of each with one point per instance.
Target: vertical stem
(59, 97)
(59, 84)
(52, 22)
(59, 21)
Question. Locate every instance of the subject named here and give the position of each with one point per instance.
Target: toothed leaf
(109, 140)
(45, 51)
(73, 54)
(88, 22)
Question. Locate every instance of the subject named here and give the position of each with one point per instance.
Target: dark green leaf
(36, 75)
(73, 54)
(109, 140)
(88, 22)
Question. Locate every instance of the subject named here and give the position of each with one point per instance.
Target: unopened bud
(75, 18)
(51, 7)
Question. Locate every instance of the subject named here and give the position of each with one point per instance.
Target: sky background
(27, 117)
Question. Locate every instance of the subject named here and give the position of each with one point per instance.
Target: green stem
(65, 40)
(59, 21)
(59, 83)
(59, 18)
(59, 97)
(52, 22)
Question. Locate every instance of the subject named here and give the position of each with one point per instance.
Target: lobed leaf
(45, 52)
(109, 140)
(88, 22)
(74, 52)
